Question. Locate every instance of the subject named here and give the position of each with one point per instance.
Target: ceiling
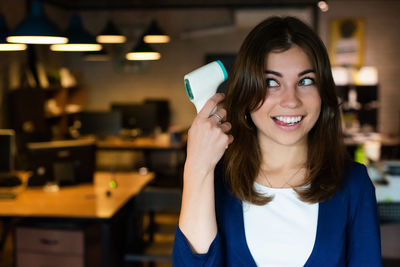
(135, 4)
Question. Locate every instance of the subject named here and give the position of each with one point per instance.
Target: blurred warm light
(36, 28)
(76, 47)
(111, 39)
(12, 47)
(110, 35)
(154, 34)
(323, 5)
(156, 39)
(143, 56)
(37, 39)
(341, 76)
(367, 75)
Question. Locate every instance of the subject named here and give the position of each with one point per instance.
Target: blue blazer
(347, 231)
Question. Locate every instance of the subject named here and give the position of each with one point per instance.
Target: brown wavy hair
(327, 159)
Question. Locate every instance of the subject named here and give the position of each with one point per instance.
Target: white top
(281, 233)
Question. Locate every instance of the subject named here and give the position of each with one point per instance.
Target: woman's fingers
(216, 117)
(219, 116)
(208, 136)
(210, 105)
(225, 127)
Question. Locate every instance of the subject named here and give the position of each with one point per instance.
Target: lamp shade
(4, 45)
(323, 6)
(342, 76)
(367, 75)
(79, 39)
(155, 35)
(143, 51)
(110, 35)
(36, 29)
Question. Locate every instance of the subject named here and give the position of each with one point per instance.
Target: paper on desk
(390, 192)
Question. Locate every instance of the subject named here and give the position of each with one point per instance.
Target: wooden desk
(80, 201)
(389, 145)
(361, 139)
(152, 148)
(140, 143)
(85, 202)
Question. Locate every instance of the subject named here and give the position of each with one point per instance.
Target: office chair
(389, 214)
(390, 236)
(152, 200)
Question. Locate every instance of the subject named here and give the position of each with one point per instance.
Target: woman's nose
(290, 98)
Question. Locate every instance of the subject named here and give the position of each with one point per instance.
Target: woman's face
(292, 103)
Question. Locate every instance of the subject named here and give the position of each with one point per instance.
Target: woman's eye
(306, 81)
(272, 83)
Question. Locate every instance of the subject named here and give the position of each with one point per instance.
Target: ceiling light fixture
(143, 51)
(154, 35)
(323, 5)
(111, 35)
(36, 29)
(4, 45)
(79, 39)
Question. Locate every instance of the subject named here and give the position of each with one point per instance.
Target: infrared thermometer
(202, 83)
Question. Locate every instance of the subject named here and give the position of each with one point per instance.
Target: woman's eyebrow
(305, 72)
(273, 72)
(280, 74)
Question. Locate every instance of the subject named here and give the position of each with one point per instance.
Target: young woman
(266, 180)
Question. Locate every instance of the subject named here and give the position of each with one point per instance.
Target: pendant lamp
(4, 45)
(79, 39)
(111, 35)
(323, 6)
(154, 35)
(36, 29)
(143, 51)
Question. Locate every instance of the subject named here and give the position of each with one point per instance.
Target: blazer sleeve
(182, 254)
(364, 244)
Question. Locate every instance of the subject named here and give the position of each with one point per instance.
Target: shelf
(55, 116)
(60, 104)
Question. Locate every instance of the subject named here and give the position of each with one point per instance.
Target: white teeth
(289, 120)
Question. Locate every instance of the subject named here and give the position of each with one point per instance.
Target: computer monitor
(7, 150)
(367, 93)
(141, 116)
(100, 123)
(163, 112)
(65, 162)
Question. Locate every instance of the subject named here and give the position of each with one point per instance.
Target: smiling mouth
(288, 120)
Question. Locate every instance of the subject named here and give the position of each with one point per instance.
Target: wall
(382, 49)
(112, 81)
(13, 64)
(116, 81)
(164, 78)
(132, 81)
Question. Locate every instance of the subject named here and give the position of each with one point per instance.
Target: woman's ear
(249, 122)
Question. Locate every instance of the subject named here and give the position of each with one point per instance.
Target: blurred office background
(48, 95)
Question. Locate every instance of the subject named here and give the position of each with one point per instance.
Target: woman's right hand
(208, 138)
